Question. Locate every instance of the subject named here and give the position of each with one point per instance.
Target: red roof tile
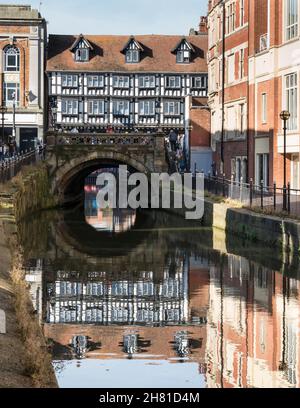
(108, 57)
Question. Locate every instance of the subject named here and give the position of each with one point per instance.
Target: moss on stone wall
(28, 192)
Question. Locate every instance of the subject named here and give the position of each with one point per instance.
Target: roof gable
(183, 44)
(132, 43)
(82, 43)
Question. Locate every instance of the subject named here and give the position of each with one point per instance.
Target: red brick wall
(200, 123)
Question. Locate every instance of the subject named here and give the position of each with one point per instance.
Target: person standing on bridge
(173, 139)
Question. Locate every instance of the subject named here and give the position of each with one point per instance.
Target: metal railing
(269, 198)
(10, 167)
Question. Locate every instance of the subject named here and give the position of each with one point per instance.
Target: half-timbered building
(119, 83)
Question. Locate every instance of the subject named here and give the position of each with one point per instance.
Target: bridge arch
(68, 182)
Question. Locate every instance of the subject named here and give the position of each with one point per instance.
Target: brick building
(260, 42)
(23, 37)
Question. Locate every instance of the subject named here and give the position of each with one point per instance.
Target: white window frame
(69, 81)
(173, 82)
(183, 57)
(147, 107)
(95, 81)
(121, 107)
(172, 108)
(9, 52)
(147, 81)
(199, 82)
(96, 107)
(230, 72)
(291, 24)
(70, 107)
(82, 55)
(242, 13)
(132, 56)
(9, 89)
(121, 81)
(291, 100)
(264, 107)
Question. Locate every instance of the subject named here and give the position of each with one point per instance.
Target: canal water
(147, 299)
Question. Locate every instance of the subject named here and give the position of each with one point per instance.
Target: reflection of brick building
(252, 336)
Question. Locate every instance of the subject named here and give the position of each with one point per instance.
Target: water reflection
(112, 220)
(181, 307)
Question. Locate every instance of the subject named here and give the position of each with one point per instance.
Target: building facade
(23, 36)
(260, 44)
(228, 26)
(118, 83)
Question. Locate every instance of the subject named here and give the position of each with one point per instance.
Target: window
(121, 82)
(242, 63)
(199, 82)
(231, 121)
(242, 118)
(121, 108)
(183, 56)
(96, 107)
(147, 81)
(70, 107)
(95, 81)
(172, 108)
(230, 68)
(230, 18)
(291, 19)
(291, 95)
(147, 108)
(173, 82)
(82, 55)
(242, 12)
(12, 93)
(132, 56)
(264, 108)
(70, 81)
(11, 59)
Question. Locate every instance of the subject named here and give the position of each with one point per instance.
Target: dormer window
(132, 51)
(183, 51)
(183, 57)
(82, 54)
(81, 49)
(132, 56)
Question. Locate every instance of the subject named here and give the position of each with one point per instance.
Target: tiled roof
(108, 57)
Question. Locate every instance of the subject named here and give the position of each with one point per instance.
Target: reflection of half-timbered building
(103, 301)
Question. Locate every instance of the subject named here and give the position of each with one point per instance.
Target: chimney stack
(203, 25)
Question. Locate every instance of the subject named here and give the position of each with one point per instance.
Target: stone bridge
(71, 157)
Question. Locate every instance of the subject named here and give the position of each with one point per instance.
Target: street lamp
(284, 116)
(3, 110)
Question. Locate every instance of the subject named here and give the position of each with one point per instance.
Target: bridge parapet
(104, 139)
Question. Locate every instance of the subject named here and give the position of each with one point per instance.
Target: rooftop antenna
(40, 6)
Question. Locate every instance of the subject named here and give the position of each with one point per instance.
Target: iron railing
(10, 167)
(269, 198)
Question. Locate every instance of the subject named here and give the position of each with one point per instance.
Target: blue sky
(120, 16)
